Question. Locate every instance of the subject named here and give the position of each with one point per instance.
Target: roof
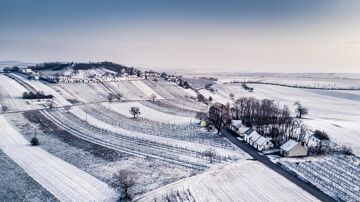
(236, 123)
(287, 146)
(243, 129)
(262, 140)
(254, 135)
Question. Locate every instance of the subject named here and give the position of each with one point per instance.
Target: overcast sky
(222, 35)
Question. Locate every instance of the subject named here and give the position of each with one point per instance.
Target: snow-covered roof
(236, 123)
(254, 135)
(262, 140)
(243, 129)
(287, 146)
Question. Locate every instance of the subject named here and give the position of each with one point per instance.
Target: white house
(244, 132)
(291, 148)
(235, 125)
(263, 143)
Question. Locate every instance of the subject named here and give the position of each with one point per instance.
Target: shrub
(34, 141)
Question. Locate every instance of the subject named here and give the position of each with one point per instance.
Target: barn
(291, 148)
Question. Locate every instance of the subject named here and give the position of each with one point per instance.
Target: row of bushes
(37, 95)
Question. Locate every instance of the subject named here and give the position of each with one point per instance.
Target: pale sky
(226, 35)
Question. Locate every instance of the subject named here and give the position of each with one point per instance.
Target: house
(251, 139)
(263, 143)
(291, 148)
(311, 140)
(235, 125)
(248, 134)
(244, 131)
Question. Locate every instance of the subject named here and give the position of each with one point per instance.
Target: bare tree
(211, 154)
(300, 109)
(119, 96)
(125, 179)
(67, 108)
(110, 98)
(153, 97)
(135, 111)
(219, 116)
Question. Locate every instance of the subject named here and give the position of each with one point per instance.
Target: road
(265, 160)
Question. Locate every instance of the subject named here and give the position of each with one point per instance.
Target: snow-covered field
(83, 147)
(337, 176)
(149, 113)
(63, 180)
(241, 181)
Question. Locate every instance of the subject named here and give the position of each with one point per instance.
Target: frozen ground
(63, 180)
(149, 113)
(16, 185)
(97, 161)
(338, 176)
(242, 181)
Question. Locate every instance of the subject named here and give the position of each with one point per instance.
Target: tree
(300, 110)
(34, 141)
(231, 95)
(134, 111)
(119, 96)
(211, 154)
(110, 98)
(200, 97)
(153, 97)
(210, 99)
(124, 180)
(219, 116)
(347, 151)
(321, 135)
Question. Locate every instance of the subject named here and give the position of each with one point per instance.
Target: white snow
(146, 89)
(165, 140)
(149, 113)
(241, 181)
(63, 180)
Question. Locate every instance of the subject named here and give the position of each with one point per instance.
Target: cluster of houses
(291, 148)
(69, 79)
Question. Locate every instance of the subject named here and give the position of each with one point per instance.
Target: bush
(322, 135)
(34, 141)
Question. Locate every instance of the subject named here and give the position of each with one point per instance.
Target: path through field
(63, 180)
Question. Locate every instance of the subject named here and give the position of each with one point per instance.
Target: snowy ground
(241, 181)
(338, 176)
(63, 180)
(149, 113)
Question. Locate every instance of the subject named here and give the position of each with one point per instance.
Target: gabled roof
(262, 140)
(287, 146)
(243, 129)
(236, 123)
(254, 135)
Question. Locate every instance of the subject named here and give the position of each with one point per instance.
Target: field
(94, 142)
(338, 176)
(85, 140)
(241, 181)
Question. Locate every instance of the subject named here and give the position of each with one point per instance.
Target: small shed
(291, 148)
(235, 125)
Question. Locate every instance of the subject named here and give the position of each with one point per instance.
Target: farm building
(235, 125)
(291, 148)
(256, 140)
(263, 143)
(244, 131)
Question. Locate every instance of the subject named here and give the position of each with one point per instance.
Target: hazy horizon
(232, 36)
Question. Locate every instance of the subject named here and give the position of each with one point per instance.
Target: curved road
(265, 160)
